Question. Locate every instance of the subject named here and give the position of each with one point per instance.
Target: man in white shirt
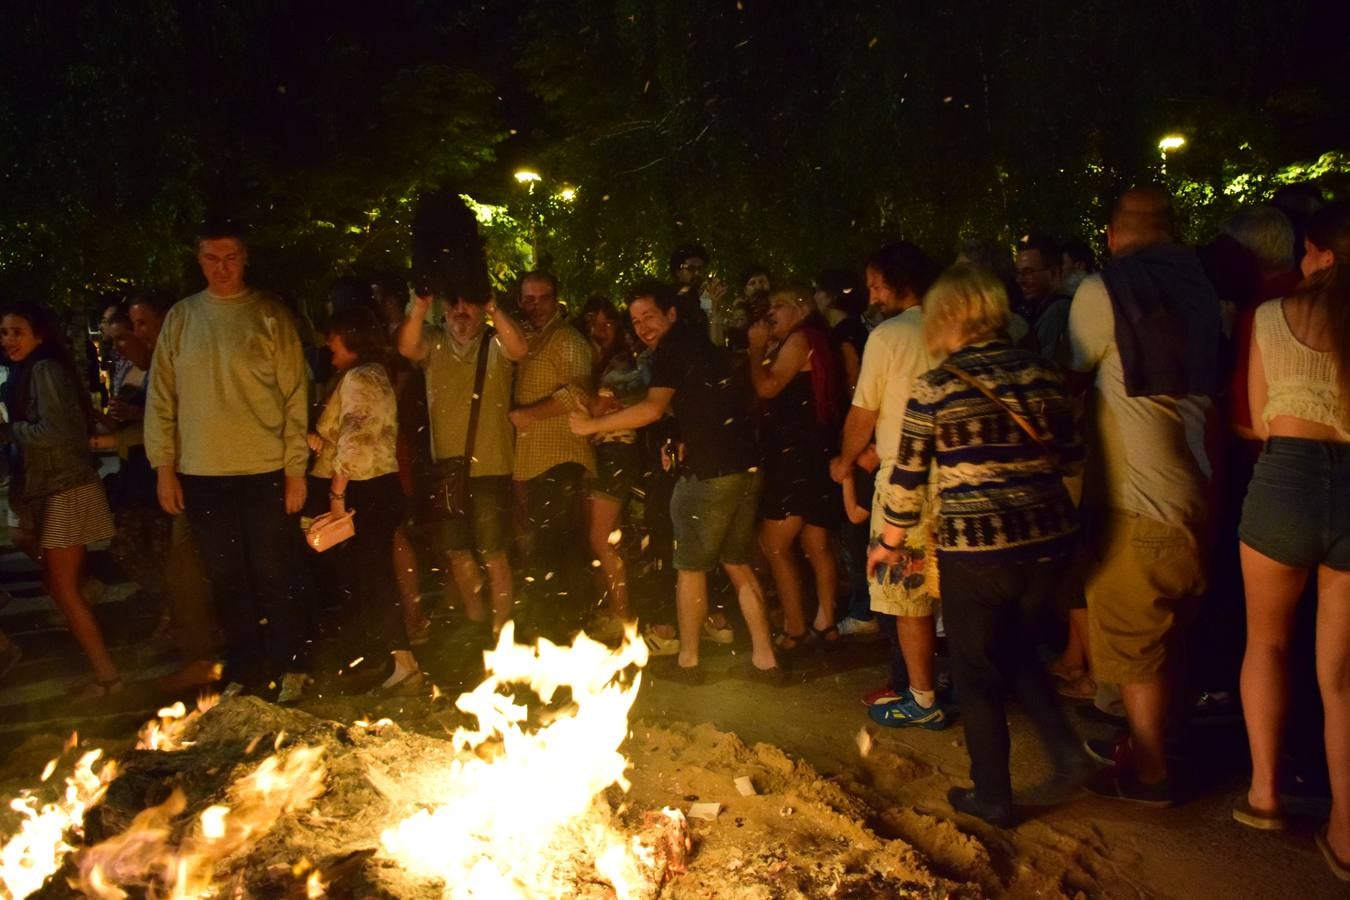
(897, 277)
(1146, 480)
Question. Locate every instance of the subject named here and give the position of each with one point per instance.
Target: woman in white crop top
(1296, 521)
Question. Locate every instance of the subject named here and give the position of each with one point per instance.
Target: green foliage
(122, 126)
(800, 136)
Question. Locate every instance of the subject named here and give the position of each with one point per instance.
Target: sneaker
(1114, 784)
(964, 800)
(883, 694)
(659, 646)
(850, 627)
(292, 688)
(717, 634)
(906, 713)
(1113, 752)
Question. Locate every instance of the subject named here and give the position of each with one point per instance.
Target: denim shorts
(617, 467)
(714, 520)
(1297, 510)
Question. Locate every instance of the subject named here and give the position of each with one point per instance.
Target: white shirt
(1145, 454)
(892, 358)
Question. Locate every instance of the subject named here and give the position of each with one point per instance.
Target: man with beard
(450, 358)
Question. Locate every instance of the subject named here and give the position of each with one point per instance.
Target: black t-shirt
(712, 404)
(850, 330)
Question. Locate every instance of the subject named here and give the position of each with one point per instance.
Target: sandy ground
(827, 821)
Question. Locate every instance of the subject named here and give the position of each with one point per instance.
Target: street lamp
(527, 176)
(1169, 142)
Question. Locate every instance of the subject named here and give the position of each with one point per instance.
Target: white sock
(926, 699)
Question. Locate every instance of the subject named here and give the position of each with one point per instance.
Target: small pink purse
(328, 530)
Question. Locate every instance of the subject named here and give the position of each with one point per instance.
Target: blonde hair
(967, 300)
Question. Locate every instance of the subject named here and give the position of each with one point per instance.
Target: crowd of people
(1016, 452)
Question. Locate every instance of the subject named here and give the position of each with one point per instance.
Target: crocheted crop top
(1301, 381)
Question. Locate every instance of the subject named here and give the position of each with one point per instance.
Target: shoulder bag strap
(476, 403)
(1022, 421)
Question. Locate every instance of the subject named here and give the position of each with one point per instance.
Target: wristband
(333, 496)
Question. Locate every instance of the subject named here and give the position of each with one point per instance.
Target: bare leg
(604, 520)
(778, 538)
(63, 565)
(468, 580)
(755, 610)
(1146, 709)
(918, 643)
(499, 579)
(691, 607)
(405, 573)
(1273, 591)
(825, 567)
(1333, 676)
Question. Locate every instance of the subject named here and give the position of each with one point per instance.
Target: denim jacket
(53, 440)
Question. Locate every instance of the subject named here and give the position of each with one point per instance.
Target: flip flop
(1246, 814)
(1339, 869)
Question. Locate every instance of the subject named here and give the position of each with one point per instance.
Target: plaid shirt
(559, 365)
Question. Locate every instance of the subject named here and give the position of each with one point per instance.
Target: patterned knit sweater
(1001, 498)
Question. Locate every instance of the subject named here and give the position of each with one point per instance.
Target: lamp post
(566, 193)
(1168, 143)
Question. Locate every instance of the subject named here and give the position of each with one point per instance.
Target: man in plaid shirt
(551, 463)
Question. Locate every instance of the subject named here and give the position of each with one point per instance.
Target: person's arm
(1092, 328)
(853, 510)
(848, 356)
(859, 427)
(411, 344)
(770, 379)
(292, 377)
(573, 361)
(509, 335)
(60, 422)
(646, 411)
(161, 418)
(1258, 392)
(903, 503)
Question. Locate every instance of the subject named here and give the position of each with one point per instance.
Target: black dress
(797, 450)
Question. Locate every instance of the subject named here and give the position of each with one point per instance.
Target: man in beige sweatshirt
(225, 425)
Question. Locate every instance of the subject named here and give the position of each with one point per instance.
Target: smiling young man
(713, 509)
(225, 423)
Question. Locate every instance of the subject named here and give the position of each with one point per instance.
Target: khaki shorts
(910, 595)
(1144, 580)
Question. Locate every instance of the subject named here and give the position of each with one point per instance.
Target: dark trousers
(365, 565)
(553, 569)
(252, 554)
(991, 612)
(853, 540)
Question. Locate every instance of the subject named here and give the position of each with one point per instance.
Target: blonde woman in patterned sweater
(995, 422)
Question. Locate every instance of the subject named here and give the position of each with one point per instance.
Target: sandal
(787, 643)
(825, 636)
(1339, 869)
(1246, 814)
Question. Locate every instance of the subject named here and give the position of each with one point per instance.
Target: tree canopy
(788, 132)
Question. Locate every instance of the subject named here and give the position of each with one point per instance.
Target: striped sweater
(1001, 498)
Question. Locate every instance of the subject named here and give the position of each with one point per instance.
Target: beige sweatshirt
(228, 389)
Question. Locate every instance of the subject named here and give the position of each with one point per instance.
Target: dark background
(794, 133)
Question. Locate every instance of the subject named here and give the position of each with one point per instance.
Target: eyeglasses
(692, 267)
